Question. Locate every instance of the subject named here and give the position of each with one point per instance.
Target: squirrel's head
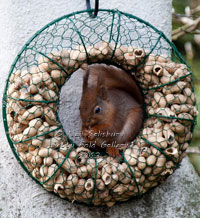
(95, 107)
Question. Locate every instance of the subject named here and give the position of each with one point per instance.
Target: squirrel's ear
(85, 79)
(103, 93)
(101, 90)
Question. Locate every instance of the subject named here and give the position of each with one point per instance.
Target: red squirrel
(110, 108)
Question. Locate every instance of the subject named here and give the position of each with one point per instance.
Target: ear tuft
(85, 79)
(101, 89)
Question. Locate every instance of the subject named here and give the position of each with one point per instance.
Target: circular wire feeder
(31, 102)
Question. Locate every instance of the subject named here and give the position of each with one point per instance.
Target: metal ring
(96, 10)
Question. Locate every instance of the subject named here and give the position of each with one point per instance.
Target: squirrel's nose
(87, 126)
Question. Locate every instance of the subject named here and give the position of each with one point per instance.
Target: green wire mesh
(31, 102)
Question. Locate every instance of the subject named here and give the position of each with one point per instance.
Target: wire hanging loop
(96, 9)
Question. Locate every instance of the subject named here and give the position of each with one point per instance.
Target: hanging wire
(96, 9)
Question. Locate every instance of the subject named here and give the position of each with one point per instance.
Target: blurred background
(186, 37)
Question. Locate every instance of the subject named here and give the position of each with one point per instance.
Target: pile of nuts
(69, 171)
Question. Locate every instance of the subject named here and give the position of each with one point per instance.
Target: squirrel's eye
(97, 109)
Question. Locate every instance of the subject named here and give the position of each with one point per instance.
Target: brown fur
(120, 101)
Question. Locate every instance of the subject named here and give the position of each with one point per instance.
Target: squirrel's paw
(113, 152)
